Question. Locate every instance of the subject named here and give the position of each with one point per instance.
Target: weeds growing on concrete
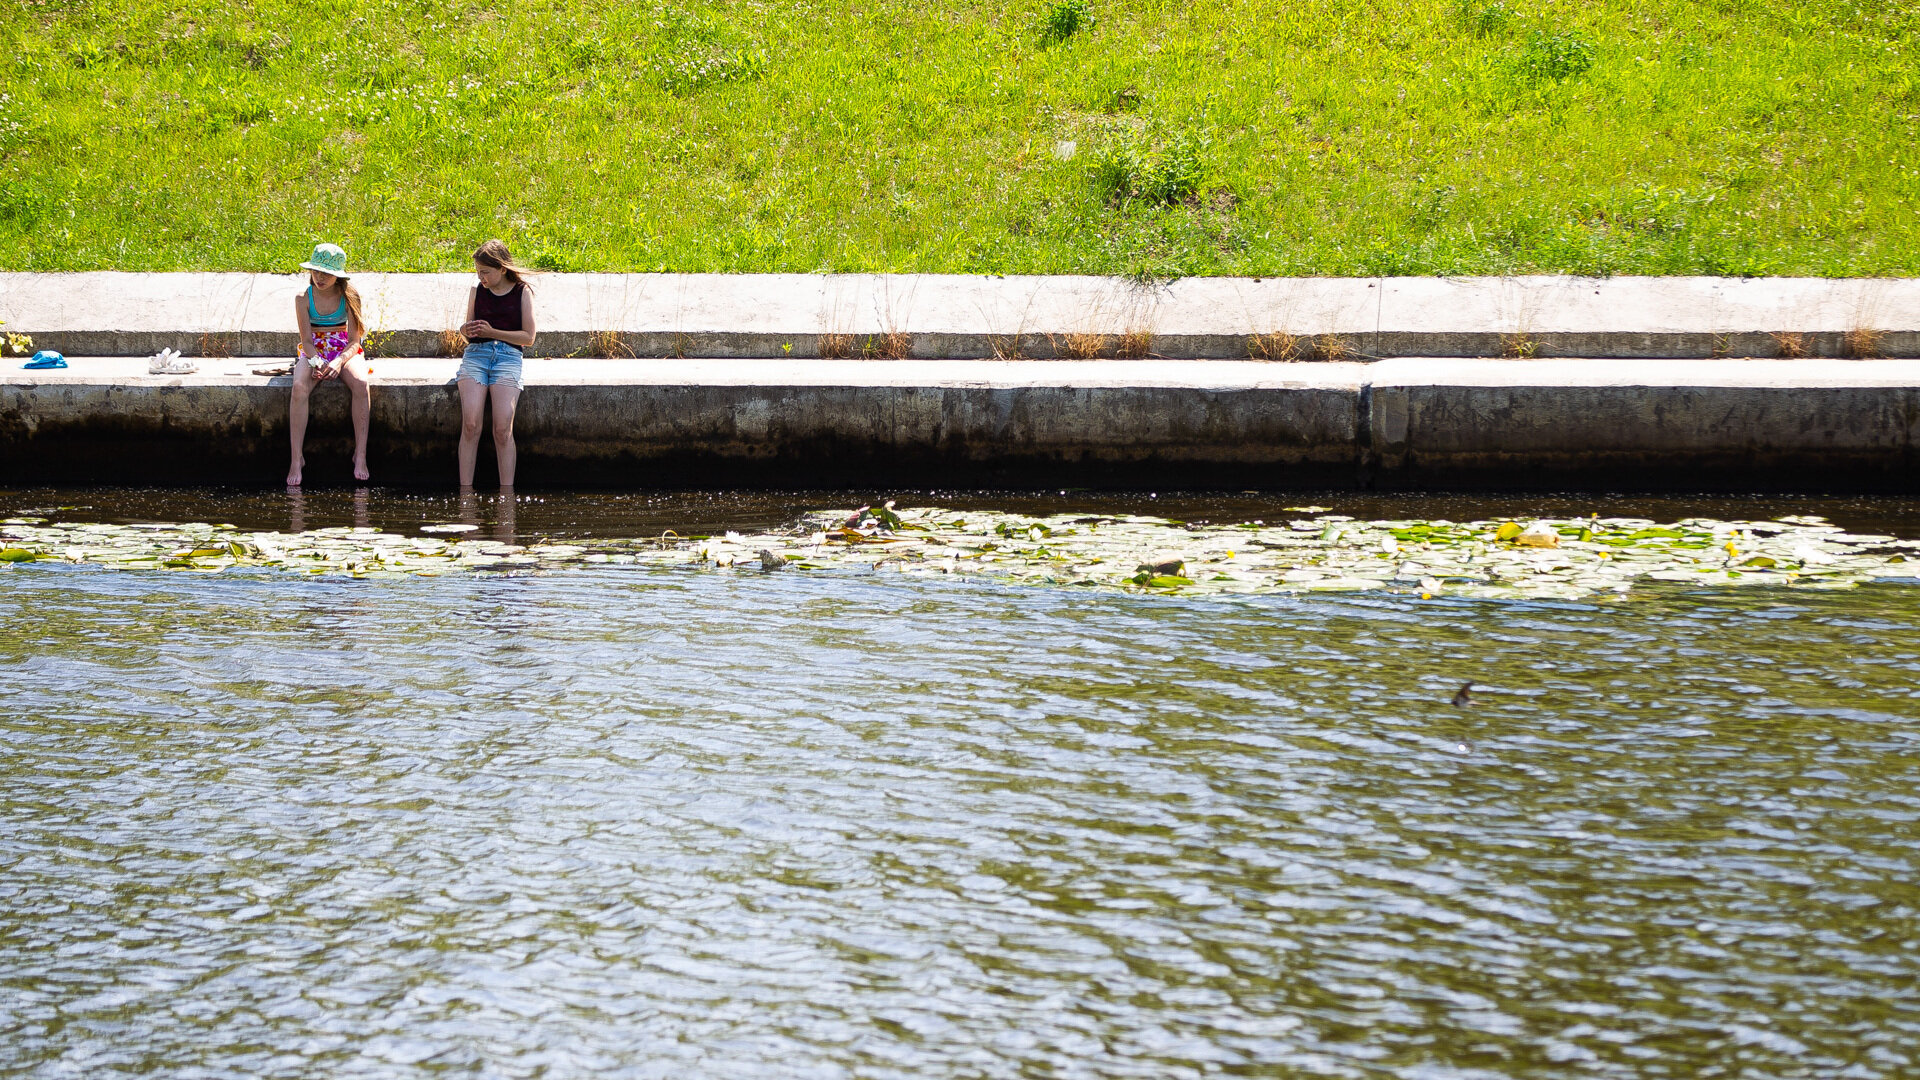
(609, 345)
(375, 342)
(1332, 348)
(834, 346)
(1278, 346)
(885, 136)
(1861, 343)
(1519, 346)
(452, 342)
(1134, 345)
(892, 345)
(1008, 347)
(1079, 346)
(1789, 344)
(16, 344)
(217, 346)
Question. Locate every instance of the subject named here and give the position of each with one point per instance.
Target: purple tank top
(499, 312)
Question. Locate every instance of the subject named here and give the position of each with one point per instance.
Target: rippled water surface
(687, 824)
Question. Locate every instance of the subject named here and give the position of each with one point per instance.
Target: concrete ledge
(1755, 425)
(935, 316)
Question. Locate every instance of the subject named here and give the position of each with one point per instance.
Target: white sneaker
(170, 362)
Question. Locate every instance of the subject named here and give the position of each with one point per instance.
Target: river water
(697, 824)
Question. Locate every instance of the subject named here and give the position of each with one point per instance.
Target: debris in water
(1603, 558)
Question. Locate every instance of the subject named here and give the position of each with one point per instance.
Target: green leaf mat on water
(1133, 137)
(1566, 558)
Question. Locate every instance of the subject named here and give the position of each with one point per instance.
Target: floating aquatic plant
(1317, 551)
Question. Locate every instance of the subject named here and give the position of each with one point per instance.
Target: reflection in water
(296, 510)
(646, 513)
(505, 508)
(795, 826)
(467, 508)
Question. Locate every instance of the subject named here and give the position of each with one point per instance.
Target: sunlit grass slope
(1209, 137)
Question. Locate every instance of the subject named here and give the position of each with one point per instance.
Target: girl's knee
(503, 433)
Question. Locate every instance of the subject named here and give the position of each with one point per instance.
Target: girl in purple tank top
(499, 329)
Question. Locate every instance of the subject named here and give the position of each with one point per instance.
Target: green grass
(1258, 137)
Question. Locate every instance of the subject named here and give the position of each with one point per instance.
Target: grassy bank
(1154, 139)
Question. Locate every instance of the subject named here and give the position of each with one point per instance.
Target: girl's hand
(474, 330)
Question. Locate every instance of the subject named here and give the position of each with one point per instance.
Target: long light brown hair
(353, 300)
(494, 253)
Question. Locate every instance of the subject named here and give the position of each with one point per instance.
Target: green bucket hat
(328, 259)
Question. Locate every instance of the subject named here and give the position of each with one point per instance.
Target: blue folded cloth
(44, 359)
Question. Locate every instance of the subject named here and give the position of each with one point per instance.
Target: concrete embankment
(1402, 423)
(939, 316)
(1647, 406)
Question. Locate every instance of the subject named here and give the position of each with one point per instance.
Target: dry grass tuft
(1279, 346)
(893, 345)
(680, 345)
(835, 346)
(1009, 348)
(1331, 348)
(1519, 346)
(1789, 344)
(216, 346)
(1134, 345)
(1079, 346)
(452, 342)
(608, 345)
(1861, 343)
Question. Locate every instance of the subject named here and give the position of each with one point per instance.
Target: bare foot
(360, 472)
(293, 474)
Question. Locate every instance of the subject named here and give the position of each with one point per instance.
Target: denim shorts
(491, 363)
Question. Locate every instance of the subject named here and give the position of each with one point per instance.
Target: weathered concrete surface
(1751, 424)
(934, 316)
(1412, 422)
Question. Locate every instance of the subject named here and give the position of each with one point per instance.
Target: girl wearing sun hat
(331, 329)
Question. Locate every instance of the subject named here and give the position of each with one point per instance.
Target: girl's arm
(523, 337)
(471, 328)
(355, 332)
(306, 332)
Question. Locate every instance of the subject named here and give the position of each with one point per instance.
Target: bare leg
(473, 400)
(360, 397)
(297, 420)
(506, 400)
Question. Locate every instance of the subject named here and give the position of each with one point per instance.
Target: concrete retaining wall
(934, 316)
(1405, 423)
